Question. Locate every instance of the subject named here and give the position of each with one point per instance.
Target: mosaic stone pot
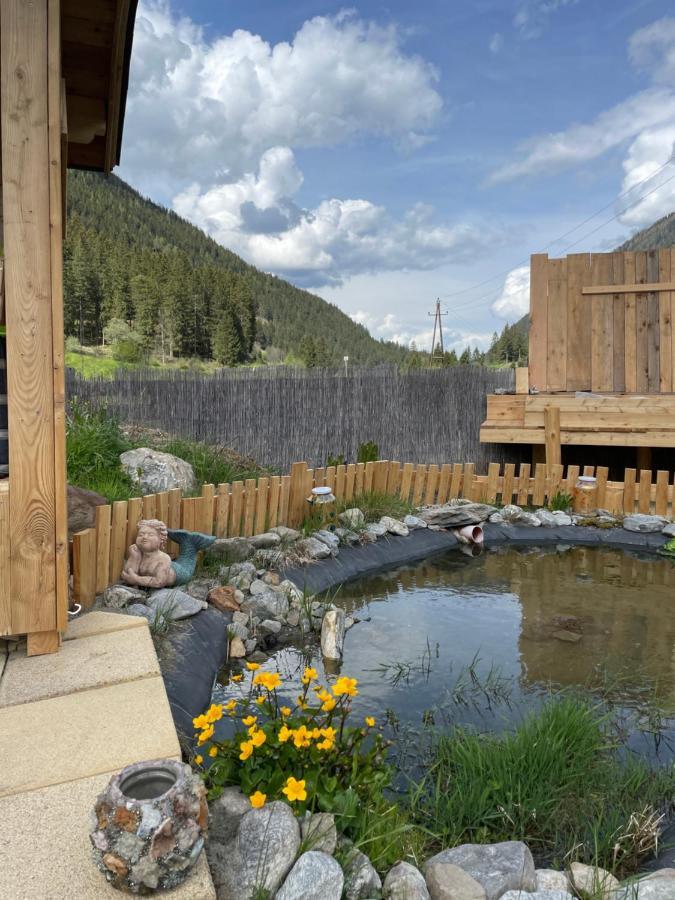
(149, 825)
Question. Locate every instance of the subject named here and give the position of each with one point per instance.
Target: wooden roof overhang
(96, 40)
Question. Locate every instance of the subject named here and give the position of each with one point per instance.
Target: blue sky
(383, 155)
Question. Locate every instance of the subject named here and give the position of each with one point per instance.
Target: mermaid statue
(149, 566)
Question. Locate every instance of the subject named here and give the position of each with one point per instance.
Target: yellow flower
(323, 695)
(329, 733)
(258, 799)
(370, 721)
(199, 759)
(249, 720)
(213, 751)
(258, 739)
(260, 700)
(205, 735)
(214, 713)
(246, 750)
(252, 667)
(285, 711)
(295, 790)
(285, 733)
(329, 705)
(325, 745)
(236, 677)
(301, 737)
(230, 706)
(310, 674)
(252, 730)
(316, 733)
(346, 686)
(301, 702)
(269, 680)
(200, 722)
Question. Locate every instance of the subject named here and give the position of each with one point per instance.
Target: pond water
(478, 641)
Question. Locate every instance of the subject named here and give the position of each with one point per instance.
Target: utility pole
(438, 329)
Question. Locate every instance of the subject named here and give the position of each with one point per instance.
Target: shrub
(213, 464)
(338, 460)
(368, 452)
(374, 505)
(94, 442)
(560, 501)
(128, 350)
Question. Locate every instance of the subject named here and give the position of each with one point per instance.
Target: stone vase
(148, 826)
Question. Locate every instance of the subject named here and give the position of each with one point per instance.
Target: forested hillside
(660, 234)
(138, 275)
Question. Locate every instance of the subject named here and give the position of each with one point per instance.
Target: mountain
(660, 234)
(169, 288)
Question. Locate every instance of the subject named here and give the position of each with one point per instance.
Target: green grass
(94, 442)
(558, 782)
(213, 464)
(90, 366)
(374, 505)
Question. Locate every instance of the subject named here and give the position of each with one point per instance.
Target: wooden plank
(236, 509)
(467, 480)
(645, 491)
(368, 478)
(118, 539)
(187, 514)
(320, 477)
(162, 506)
(522, 380)
(654, 335)
(250, 504)
(275, 496)
(393, 478)
(578, 323)
(589, 471)
(406, 481)
(661, 500)
(103, 516)
(456, 482)
(296, 505)
(284, 499)
(539, 492)
(601, 475)
(5, 586)
(492, 486)
(571, 480)
(84, 567)
(360, 479)
(433, 475)
(552, 435)
(619, 317)
(149, 506)
(262, 505)
(508, 483)
(672, 320)
(28, 294)
(555, 481)
(330, 478)
(602, 326)
(173, 517)
(629, 490)
(222, 510)
(350, 481)
(641, 330)
(380, 476)
(523, 484)
(538, 320)
(630, 326)
(665, 325)
(206, 509)
(631, 287)
(115, 83)
(341, 481)
(39, 643)
(557, 325)
(419, 484)
(444, 483)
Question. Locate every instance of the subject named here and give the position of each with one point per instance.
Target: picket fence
(245, 508)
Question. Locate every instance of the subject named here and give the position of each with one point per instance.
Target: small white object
(321, 491)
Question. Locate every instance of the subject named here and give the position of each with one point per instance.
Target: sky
(386, 155)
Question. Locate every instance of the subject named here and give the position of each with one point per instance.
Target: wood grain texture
(102, 529)
(250, 504)
(84, 567)
(552, 435)
(665, 325)
(654, 334)
(602, 325)
(641, 326)
(538, 320)
(556, 363)
(262, 505)
(275, 495)
(5, 586)
(619, 327)
(30, 379)
(630, 326)
(578, 323)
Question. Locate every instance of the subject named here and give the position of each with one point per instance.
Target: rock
(561, 518)
(546, 518)
(236, 629)
(352, 518)
(286, 534)
(347, 536)
(660, 873)
(312, 548)
(241, 618)
(455, 515)
(293, 618)
(446, 881)
(224, 598)
(140, 609)
(272, 579)
(538, 895)
(376, 528)
(551, 880)
(117, 596)
(267, 605)
(497, 519)
(315, 876)
(231, 550)
(658, 885)
(510, 513)
(571, 637)
(291, 590)
(527, 518)
(199, 588)
(405, 882)
(237, 648)
(413, 522)
(259, 587)
(175, 604)
(270, 626)
(643, 523)
(329, 538)
(82, 508)
(245, 567)
(226, 813)
(260, 855)
(498, 867)
(669, 529)
(266, 541)
(153, 471)
(393, 526)
(367, 537)
(333, 634)
(319, 832)
(593, 880)
(361, 879)
(349, 622)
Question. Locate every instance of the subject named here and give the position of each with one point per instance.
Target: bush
(368, 452)
(94, 442)
(128, 350)
(374, 505)
(213, 464)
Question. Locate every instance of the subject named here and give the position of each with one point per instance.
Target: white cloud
(496, 42)
(656, 196)
(652, 49)
(514, 300)
(531, 15)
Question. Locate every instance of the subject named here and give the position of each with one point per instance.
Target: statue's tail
(189, 543)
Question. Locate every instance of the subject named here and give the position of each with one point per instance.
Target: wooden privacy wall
(244, 508)
(603, 322)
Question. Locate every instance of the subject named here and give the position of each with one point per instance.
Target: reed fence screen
(244, 508)
(278, 415)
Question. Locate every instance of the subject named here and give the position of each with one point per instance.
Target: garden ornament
(149, 566)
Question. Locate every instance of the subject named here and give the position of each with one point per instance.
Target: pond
(479, 641)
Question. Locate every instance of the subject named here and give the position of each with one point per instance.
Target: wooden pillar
(522, 380)
(552, 436)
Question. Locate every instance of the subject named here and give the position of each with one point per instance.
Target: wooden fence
(244, 508)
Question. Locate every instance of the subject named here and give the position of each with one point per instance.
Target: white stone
(405, 882)
(333, 634)
(643, 523)
(174, 603)
(226, 813)
(237, 648)
(286, 534)
(347, 536)
(268, 605)
(313, 548)
(537, 895)
(414, 522)
(551, 880)
(352, 518)
(153, 471)
(446, 881)
(376, 528)
(498, 867)
(319, 832)
(117, 596)
(266, 541)
(593, 880)
(561, 518)
(315, 876)
(329, 538)
(669, 529)
(361, 880)
(394, 526)
(546, 518)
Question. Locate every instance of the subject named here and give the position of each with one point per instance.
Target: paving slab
(88, 662)
(86, 733)
(99, 622)
(46, 853)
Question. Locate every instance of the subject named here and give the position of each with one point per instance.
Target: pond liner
(199, 653)
(369, 559)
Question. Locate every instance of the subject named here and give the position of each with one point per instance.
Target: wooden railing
(244, 508)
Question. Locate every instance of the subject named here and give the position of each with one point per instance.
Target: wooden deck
(608, 419)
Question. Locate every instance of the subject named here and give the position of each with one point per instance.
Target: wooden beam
(552, 436)
(115, 84)
(538, 320)
(651, 287)
(522, 380)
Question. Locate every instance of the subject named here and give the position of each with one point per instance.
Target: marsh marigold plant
(306, 753)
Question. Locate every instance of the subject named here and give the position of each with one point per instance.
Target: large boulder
(175, 604)
(506, 866)
(226, 813)
(593, 880)
(643, 523)
(361, 879)
(82, 508)
(405, 882)
(153, 471)
(446, 881)
(456, 515)
(333, 634)
(552, 880)
(315, 876)
(319, 832)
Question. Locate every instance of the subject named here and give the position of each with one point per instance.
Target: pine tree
(228, 344)
(307, 351)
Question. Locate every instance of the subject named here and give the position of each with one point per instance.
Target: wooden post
(552, 436)
(522, 380)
